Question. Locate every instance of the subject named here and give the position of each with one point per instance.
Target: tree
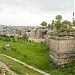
(44, 23)
(49, 25)
(74, 22)
(63, 28)
(69, 29)
(58, 18)
(53, 24)
(66, 22)
(58, 23)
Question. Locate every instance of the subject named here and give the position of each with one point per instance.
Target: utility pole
(73, 15)
(73, 18)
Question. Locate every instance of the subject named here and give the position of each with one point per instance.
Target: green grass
(35, 54)
(17, 67)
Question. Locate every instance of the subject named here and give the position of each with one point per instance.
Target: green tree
(58, 18)
(74, 22)
(52, 25)
(66, 22)
(69, 29)
(44, 23)
(49, 25)
(63, 28)
(58, 23)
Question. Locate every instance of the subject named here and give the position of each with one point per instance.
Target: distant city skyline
(33, 12)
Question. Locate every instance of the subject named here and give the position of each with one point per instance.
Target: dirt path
(7, 68)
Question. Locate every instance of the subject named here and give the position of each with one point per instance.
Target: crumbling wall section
(61, 49)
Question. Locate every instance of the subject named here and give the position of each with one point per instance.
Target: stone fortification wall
(62, 49)
(38, 33)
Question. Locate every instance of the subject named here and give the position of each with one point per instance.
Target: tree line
(60, 26)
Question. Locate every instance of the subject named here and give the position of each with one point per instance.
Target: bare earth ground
(7, 68)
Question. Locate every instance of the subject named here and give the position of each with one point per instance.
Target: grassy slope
(33, 54)
(17, 67)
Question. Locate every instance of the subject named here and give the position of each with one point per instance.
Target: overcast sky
(33, 12)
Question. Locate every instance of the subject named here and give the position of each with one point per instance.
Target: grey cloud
(52, 5)
(21, 11)
(1, 9)
(12, 2)
(40, 5)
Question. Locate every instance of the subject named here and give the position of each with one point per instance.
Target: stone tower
(62, 48)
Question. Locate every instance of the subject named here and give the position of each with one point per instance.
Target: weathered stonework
(62, 48)
(37, 34)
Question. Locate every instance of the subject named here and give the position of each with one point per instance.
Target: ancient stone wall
(37, 34)
(47, 40)
(61, 49)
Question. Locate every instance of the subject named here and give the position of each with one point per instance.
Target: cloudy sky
(33, 12)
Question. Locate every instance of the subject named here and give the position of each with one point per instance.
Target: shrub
(4, 48)
(29, 40)
(25, 56)
(13, 49)
(21, 42)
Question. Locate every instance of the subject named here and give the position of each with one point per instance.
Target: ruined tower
(62, 48)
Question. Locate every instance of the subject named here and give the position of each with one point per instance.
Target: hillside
(35, 54)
